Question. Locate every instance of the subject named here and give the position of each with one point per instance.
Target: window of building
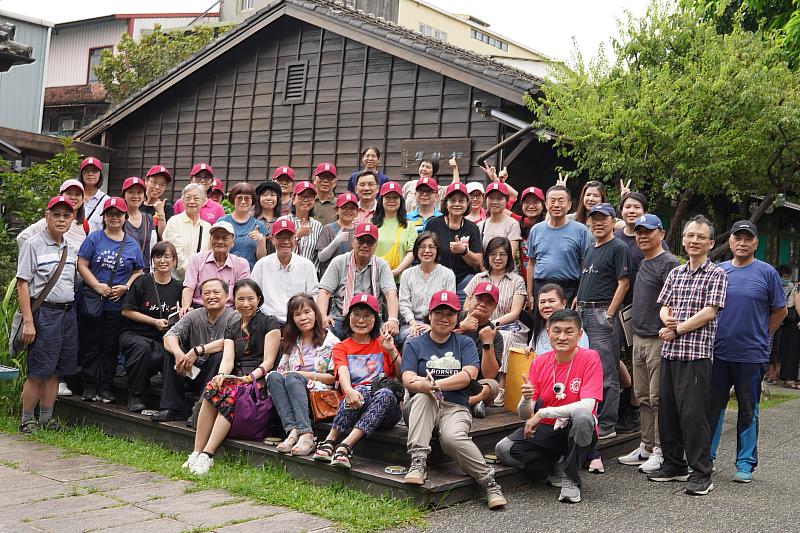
(95, 55)
(488, 39)
(433, 33)
(245, 5)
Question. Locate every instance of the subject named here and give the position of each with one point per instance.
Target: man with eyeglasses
(283, 274)
(692, 296)
(755, 310)
(427, 195)
(325, 202)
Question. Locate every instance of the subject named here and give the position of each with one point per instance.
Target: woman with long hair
(91, 177)
(532, 212)
(250, 234)
(395, 235)
(308, 227)
(267, 209)
(592, 193)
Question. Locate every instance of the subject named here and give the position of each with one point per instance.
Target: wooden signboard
(415, 150)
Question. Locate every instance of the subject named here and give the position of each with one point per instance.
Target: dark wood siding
(232, 113)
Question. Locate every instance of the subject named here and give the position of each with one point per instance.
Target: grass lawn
(349, 509)
(776, 398)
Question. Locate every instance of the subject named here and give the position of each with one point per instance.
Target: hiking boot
(63, 389)
(637, 457)
(135, 404)
(742, 477)
(417, 472)
(665, 475)
(630, 421)
(699, 486)
(89, 394)
(479, 410)
(51, 424)
(494, 496)
(106, 396)
(201, 465)
(190, 461)
(570, 492)
(653, 462)
(29, 428)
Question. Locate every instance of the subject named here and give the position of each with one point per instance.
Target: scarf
(350, 281)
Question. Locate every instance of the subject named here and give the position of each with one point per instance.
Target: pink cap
(115, 202)
(201, 166)
(458, 187)
(55, 200)
(346, 198)
(130, 182)
(322, 168)
(92, 161)
(283, 171)
(71, 183)
(159, 169)
(498, 186)
(302, 186)
(536, 191)
(366, 228)
(216, 185)
(391, 186)
(487, 288)
(365, 299)
(450, 299)
(283, 224)
(427, 182)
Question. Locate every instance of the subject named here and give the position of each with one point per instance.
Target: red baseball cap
(322, 168)
(450, 299)
(487, 288)
(283, 171)
(536, 191)
(366, 228)
(92, 161)
(130, 182)
(498, 186)
(427, 182)
(158, 169)
(201, 166)
(458, 187)
(115, 202)
(302, 186)
(55, 200)
(365, 299)
(391, 186)
(283, 224)
(346, 198)
(216, 185)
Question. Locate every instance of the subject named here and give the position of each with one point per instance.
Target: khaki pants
(424, 413)
(646, 379)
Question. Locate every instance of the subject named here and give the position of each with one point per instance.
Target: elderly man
(427, 199)
(359, 271)
(283, 274)
(194, 349)
(215, 263)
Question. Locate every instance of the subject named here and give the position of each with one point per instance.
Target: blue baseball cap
(604, 209)
(648, 221)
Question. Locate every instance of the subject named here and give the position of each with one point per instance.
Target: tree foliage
(138, 63)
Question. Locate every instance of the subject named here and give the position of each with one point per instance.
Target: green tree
(138, 63)
(684, 112)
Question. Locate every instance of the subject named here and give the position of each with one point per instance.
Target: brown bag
(324, 403)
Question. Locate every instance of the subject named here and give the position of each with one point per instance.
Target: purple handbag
(253, 415)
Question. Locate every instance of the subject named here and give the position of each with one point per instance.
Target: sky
(545, 25)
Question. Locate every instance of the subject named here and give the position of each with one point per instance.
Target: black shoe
(166, 415)
(135, 404)
(667, 475)
(699, 486)
(106, 396)
(89, 394)
(630, 421)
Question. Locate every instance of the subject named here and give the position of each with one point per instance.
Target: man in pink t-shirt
(559, 403)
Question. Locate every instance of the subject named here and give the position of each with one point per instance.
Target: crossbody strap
(50, 282)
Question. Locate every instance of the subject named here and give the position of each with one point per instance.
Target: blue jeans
(604, 339)
(290, 397)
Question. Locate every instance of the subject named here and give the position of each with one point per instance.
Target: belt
(594, 305)
(58, 307)
(562, 282)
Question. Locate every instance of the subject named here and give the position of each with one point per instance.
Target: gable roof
(474, 69)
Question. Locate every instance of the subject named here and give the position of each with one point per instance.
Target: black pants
(144, 358)
(683, 416)
(173, 390)
(570, 288)
(98, 341)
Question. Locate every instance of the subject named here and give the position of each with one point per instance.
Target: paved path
(42, 488)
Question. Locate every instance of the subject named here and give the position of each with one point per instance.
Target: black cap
(745, 225)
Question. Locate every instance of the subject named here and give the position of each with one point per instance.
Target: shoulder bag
(324, 403)
(90, 303)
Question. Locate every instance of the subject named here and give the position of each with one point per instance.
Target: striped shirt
(307, 246)
(686, 293)
(510, 285)
(416, 291)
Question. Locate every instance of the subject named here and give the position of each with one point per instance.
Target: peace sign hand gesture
(624, 188)
(562, 179)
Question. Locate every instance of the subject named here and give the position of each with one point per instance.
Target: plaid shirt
(688, 292)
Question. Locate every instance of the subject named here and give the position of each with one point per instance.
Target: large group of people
(409, 301)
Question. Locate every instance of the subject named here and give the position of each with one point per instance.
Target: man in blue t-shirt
(755, 309)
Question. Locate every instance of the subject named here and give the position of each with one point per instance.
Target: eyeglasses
(366, 317)
(695, 236)
(60, 216)
(366, 242)
(424, 191)
(118, 214)
(557, 201)
(498, 255)
(428, 247)
(326, 177)
(283, 239)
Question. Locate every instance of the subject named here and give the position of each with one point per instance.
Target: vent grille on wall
(296, 82)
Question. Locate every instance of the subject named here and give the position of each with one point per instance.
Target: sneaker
(166, 415)
(742, 477)
(63, 389)
(570, 492)
(606, 435)
(699, 486)
(554, 479)
(630, 421)
(202, 464)
(190, 461)
(52, 424)
(664, 475)
(653, 462)
(479, 410)
(106, 396)
(89, 394)
(638, 456)
(500, 399)
(494, 496)
(135, 404)
(596, 467)
(29, 428)
(417, 472)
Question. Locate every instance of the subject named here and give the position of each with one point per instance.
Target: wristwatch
(496, 324)
(486, 345)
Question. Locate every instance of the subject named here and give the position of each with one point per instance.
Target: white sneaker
(596, 466)
(637, 457)
(653, 463)
(201, 465)
(500, 399)
(63, 389)
(190, 461)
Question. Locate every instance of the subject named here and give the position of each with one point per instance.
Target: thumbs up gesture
(305, 229)
(527, 388)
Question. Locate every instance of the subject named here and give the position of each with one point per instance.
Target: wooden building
(305, 81)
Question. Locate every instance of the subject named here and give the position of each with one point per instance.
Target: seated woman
(559, 401)
(306, 364)
(250, 349)
(438, 369)
(367, 355)
(419, 283)
(551, 299)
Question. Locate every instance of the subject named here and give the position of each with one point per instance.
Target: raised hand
(562, 179)
(490, 171)
(624, 188)
(527, 388)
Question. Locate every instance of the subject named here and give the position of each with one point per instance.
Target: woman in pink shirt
(210, 211)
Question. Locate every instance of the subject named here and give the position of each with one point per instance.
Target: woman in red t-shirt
(368, 356)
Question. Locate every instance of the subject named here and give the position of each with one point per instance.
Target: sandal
(305, 445)
(287, 445)
(324, 451)
(342, 458)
